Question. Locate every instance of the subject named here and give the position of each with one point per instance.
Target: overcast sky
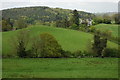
(93, 6)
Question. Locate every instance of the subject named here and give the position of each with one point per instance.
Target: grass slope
(61, 68)
(71, 40)
(111, 27)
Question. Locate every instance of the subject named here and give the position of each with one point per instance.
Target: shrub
(109, 52)
(66, 54)
(20, 43)
(92, 29)
(107, 21)
(49, 46)
(21, 23)
(78, 53)
(74, 26)
(99, 44)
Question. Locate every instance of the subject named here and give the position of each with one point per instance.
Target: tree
(74, 26)
(107, 21)
(49, 46)
(117, 18)
(100, 43)
(75, 18)
(21, 23)
(62, 23)
(6, 26)
(35, 51)
(20, 43)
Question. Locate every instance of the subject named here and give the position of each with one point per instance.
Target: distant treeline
(44, 14)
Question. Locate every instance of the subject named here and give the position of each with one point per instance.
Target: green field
(111, 27)
(61, 68)
(71, 40)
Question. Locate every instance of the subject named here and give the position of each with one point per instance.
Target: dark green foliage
(109, 52)
(100, 43)
(63, 23)
(59, 23)
(36, 47)
(101, 20)
(44, 14)
(92, 29)
(21, 23)
(66, 54)
(78, 53)
(6, 25)
(49, 46)
(74, 26)
(117, 18)
(75, 17)
(97, 20)
(21, 42)
(107, 21)
(21, 49)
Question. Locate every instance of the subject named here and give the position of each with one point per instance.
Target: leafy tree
(35, 51)
(21, 51)
(74, 26)
(44, 14)
(10, 21)
(75, 17)
(21, 23)
(62, 23)
(49, 46)
(59, 23)
(117, 18)
(99, 44)
(6, 26)
(107, 21)
(98, 20)
(20, 43)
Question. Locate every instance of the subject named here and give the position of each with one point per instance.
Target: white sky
(84, 5)
(60, 1)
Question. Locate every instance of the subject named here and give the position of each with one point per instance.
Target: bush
(20, 43)
(109, 52)
(107, 21)
(78, 53)
(66, 54)
(92, 29)
(74, 26)
(21, 23)
(49, 47)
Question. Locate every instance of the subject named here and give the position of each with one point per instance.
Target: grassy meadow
(70, 40)
(60, 68)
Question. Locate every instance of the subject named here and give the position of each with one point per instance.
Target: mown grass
(111, 27)
(60, 68)
(70, 40)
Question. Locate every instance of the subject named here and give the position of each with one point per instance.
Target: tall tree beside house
(75, 17)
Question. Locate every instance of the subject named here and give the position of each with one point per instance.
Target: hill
(70, 40)
(42, 13)
(111, 27)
